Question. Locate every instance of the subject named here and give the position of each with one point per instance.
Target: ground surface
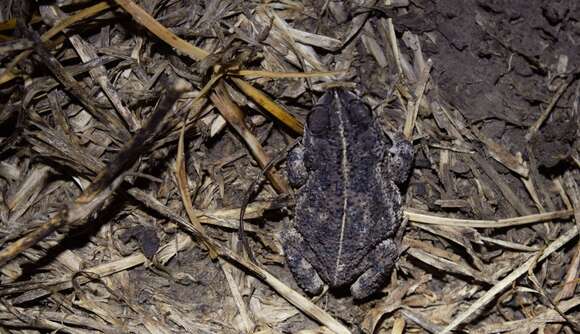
(495, 85)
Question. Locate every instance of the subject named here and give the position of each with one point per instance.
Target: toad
(348, 174)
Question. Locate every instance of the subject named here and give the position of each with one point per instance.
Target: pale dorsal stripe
(345, 183)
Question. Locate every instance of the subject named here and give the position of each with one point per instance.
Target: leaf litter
(131, 130)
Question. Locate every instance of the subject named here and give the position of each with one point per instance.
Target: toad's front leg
(381, 261)
(400, 158)
(297, 173)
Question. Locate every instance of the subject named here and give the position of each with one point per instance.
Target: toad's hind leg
(373, 279)
(297, 252)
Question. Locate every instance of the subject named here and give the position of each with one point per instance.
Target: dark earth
(497, 65)
(492, 61)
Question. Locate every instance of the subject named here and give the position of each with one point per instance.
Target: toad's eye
(359, 113)
(318, 121)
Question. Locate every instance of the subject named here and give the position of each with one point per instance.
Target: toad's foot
(381, 260)
(304, 273)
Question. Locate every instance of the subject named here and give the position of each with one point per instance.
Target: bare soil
(491, 238)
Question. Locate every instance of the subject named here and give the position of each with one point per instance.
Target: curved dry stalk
(181, 171)
(182, 184)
